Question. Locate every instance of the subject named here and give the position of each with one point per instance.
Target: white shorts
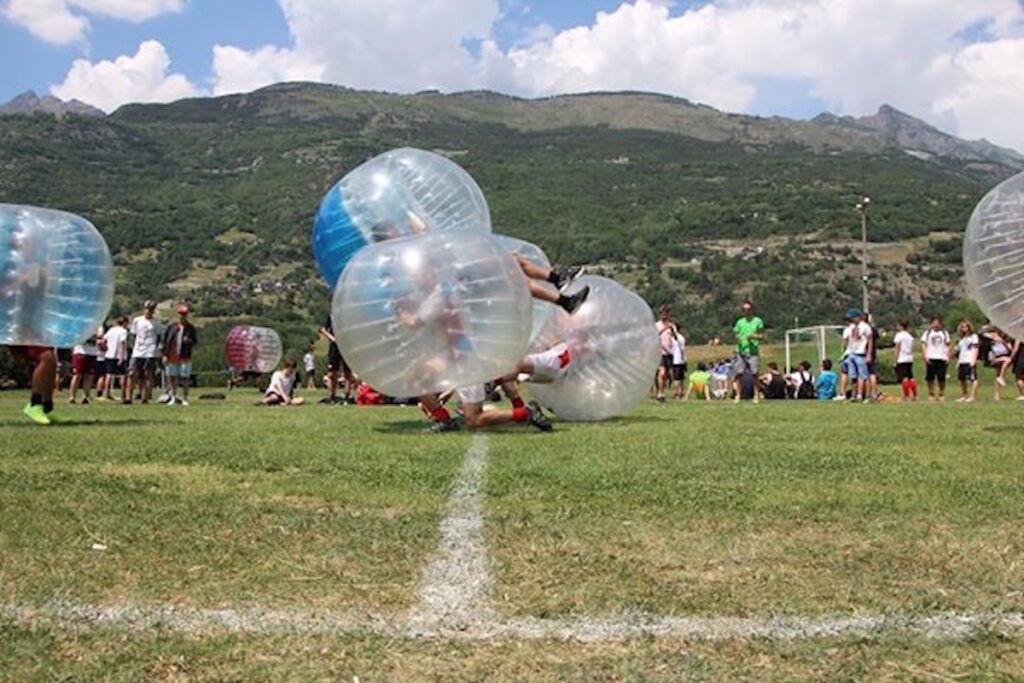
(473, 394)
(549, 365)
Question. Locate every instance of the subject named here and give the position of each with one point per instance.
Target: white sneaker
(1000, 381)
(840, 397)
(183, 402)
(170, 400)
(1020, 398)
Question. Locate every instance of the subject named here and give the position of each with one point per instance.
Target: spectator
(336, 364)
(700, 383)
(772, 383)
(720, 379)
(667, 337)
(999, 355)
(935, 345)
(903, 344)
(827, 381)
(858, 340)
(179, 340)
(281, 391)
(116, 357)
(967, 362)
(147, 331)
(802, 382)
(309, 363)
(83, 364)
(749, 332)
(679, 366)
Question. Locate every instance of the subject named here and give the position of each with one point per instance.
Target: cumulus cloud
(953, 63)
(238, 70)
(142, 77)
(66, 21)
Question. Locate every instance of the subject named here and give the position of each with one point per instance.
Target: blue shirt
(827, 385)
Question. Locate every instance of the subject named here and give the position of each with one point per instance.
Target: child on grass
(827, 381)
(282, 387)
(967, 360)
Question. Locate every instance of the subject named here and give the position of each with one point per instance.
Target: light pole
(862, 209)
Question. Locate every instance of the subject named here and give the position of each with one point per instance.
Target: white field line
(454, 604)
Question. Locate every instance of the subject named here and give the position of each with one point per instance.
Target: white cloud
(853, 54)
(237, 70)
(142, 77)
(64, 21)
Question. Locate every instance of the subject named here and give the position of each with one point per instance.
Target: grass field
(794, 510)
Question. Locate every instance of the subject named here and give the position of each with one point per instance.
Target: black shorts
(679, 372)
(143, 366)
(1018, 369)
(966, 372)
(666, 361)
(936, 370)
(872, 368)
(335, 361)
(904, 371)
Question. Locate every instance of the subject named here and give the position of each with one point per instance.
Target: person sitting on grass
(827, 381)
(802, 382)
(281, 391)
(700, 383)
(772, 383)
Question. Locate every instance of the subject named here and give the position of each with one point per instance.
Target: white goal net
(813, 344)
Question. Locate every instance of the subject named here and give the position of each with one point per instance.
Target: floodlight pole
(862, 209)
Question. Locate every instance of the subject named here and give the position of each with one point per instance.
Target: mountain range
(212, 199)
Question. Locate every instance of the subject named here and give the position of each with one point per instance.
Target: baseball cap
(853, 313)
(149, 304)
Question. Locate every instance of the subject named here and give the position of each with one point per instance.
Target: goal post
(817, 342)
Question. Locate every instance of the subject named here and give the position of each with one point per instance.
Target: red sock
(520, 414)
(517, 402)
(913, 386)
(906, 388)
(441, 414)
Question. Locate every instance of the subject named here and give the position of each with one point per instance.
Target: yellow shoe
(56, 418)
(36, 414)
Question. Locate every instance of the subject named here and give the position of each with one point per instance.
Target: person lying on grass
(281, 391)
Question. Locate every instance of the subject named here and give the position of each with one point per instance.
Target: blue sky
(955, 64)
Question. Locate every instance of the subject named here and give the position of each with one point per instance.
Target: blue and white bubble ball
(399, 193)
(56, 277)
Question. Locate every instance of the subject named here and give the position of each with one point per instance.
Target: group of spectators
(128, 355)
(740, 377)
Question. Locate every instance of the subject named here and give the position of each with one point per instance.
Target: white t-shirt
(904, 343)
(309, 360)
(147, 334)
(86, 349)
(281, 384)
(857, 337)
(965, 349)
(117, 343)
(666, 336)
(936, 344)
(679, 349)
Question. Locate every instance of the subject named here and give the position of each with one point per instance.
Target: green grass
(709, 509)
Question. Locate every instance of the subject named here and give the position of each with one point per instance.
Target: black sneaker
(572, 303)
(564, 278)
(537, 417)
(446, 426)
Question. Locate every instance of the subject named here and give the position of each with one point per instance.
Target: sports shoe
(56, 418)
(1000, 381)
(572, 303)
(839, 397)
(170, 402)
(446, 426)
(182, 402)
(564, 278)
(36, 414)
(537, 417)
(85, 401)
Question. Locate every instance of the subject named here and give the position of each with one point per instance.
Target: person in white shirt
(666, 330)
(83, 366)
(116, 357)
(967, 362)
(679, 366)
(859, 342)
(903, 349)
(935, 348)
(145, 353)
(281, 391)
(309, 363)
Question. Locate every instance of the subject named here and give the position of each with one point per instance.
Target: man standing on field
(749, 331)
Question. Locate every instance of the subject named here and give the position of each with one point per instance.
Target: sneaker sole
(574, 278)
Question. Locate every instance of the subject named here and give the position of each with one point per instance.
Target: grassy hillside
(212, 200)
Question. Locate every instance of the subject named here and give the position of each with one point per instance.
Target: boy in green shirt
(749, 331)
(700, 383)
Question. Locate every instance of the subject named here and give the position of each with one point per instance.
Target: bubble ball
(398, 193)
(994, 255)
(615, 353)
(253, 349)
(542, 310)
(432, 312)
(56, 277)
